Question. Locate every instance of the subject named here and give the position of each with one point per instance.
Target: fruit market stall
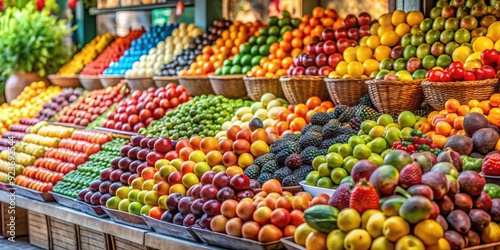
(317, 131)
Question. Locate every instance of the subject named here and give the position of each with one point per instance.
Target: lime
(355, 140)
(419, 74)
(428, 62)
(349, 164)
(386, 64)
(272, 21)
(443, 61)
(285, 29)
(337, 174)
(318, 160)
(296, 22)
(325, 182)
(252, 40)
(362, 151)
(218, 71)
(345, 150)
(245, 48)
(323, 170)
(334, 160)
(255, 60)
(271, 39)
(245, 60)
(334, 148)
(264, 50)
(261, 40)
(236, 59)
(227, 62)
(226, 70)
(378, 145)
(312, 178)
(245, 69)
(235, 69)
(263, 32)
(284, 21)
(274, 31)
(377, 159)
(254, 50)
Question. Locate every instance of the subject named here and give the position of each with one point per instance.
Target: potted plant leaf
(32, 46)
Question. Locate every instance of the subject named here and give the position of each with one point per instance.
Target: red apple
(319, 48)
(334, 59)
(350, 21)
(340, 33)
(311, 71)
(145, 114)
(364, 19)
(163, 145)
(364, 31)
(342, 44)
(329, 47)
(321, 60)
(240, 182)
(353, 34)
(325, 70)
(328, 34)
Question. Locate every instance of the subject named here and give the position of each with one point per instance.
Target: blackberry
(290, 180)
(281, 173)
(309, 154)
(356, 123)
(293, 161)
(339, 110)
(264, 177)
(310, 139)
(252, 171)
(292, 137)
(263, 159)
(269, 167)
(348, 114)
(302, 172)
(319, 118)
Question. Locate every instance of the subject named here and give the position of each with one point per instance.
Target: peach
(229, 158)
(245, 209)
(305, 194)
(259, 148)
(194, 142)
(187, 167)
(320, 199)
(162, 187)
(259, 134)
(262, 215)
(241, 146)
(300, 203)
(283, 202)
(157, 177)
(271, 186)
(213, 158)
(232, 131)
(316, 240)
(262, 194)
(208, 144)
(228, 208)
(245, 160)
(280, 217)
(185, 152)
(244, 134)
(289, 231)
(296, 217)
(225, 145)
(250, 230)
(234, 170)
(177, 188)
(234, 226)
(270, 233)
(218, 223)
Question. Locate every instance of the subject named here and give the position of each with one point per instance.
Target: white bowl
(315, 191)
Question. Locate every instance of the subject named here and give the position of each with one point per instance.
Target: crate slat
(37, 230)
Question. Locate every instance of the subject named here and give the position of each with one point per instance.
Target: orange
(414, 18)
(458, 123)
(439, 140)
(425, 127)
(450, 118)
(301, 110)
(494, 118)
(398, 16)
(327, 21)
(272, 186)
(309, 114)
(291, 117)
(452, 105)
(443, 128)
(313, 102)
(297, 124)
(297, 42)
(307, 40)
(297, 33)
(156, 212)
(234, 170)
(296, 52)
(485, 106)
(281, 127)
(327, 104)
(338, 24)
(382, 52)
(287, 62)
(148, 173)
(320, 109)
(495, 111)
(385, 19)
(463, 110)
(287, 36)
(285, 46)
(273, 48)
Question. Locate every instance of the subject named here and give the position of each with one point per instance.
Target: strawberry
(364, 197)
(340, 198)
(410, 175)
(491, 164)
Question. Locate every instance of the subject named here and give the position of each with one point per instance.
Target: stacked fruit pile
(111, 54)
(27, 104)
(202, 115)
(143, 107)
(139, 48)
(16, 133)
(56, 104)
(164, 51)
(91, 105)
(86, 173)
(188, 56)
(446, 210)
(86, 55)
(258, 47)
(61, 157)
(225, 47)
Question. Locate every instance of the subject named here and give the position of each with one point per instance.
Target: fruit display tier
(50, 167)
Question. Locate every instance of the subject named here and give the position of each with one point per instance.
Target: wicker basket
(65, 81)
(437, 93)
(140, 83)
(393, 97)
(230, 86)
(258, 86)
(346, 91)
(110, 81)
(90, 82)
(196, 85)
(298, 89)
(162, 81)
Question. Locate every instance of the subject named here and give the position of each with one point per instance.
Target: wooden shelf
(145, 7)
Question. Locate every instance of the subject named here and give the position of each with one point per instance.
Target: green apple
(407, 119)
(123, 205)
(325, 182)
(392, 134)
(385, 119)
(378, 145)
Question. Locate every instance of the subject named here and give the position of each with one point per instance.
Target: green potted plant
(32, 46)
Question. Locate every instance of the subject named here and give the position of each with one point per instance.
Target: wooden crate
(63, 235)
(92, 240)
(21, 221)
(123, 244)
(38, 230)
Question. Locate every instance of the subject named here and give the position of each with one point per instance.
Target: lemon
(363, 53)
(355, 69)
(370, 66)
(474, 56)
(461, 53)
(385, 19)
(402, 29)
(373, 42)
(350, 54)
(390, 38)
(398, 17)
(493, 33)
(382, 53)
(341, 68)
(469, 65)
(414, 18)
(385, 28)
(497, 45)
(482, 43)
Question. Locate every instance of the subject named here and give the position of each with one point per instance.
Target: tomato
(445, 77)
(456, 64)
(457, 73)
(479, 73)
(469, 76)
(489, 72)
(489, 57)
(436, 75)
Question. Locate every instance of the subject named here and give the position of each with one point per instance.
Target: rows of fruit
(423, 179)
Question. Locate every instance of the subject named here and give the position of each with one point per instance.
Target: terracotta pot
(18, 81)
